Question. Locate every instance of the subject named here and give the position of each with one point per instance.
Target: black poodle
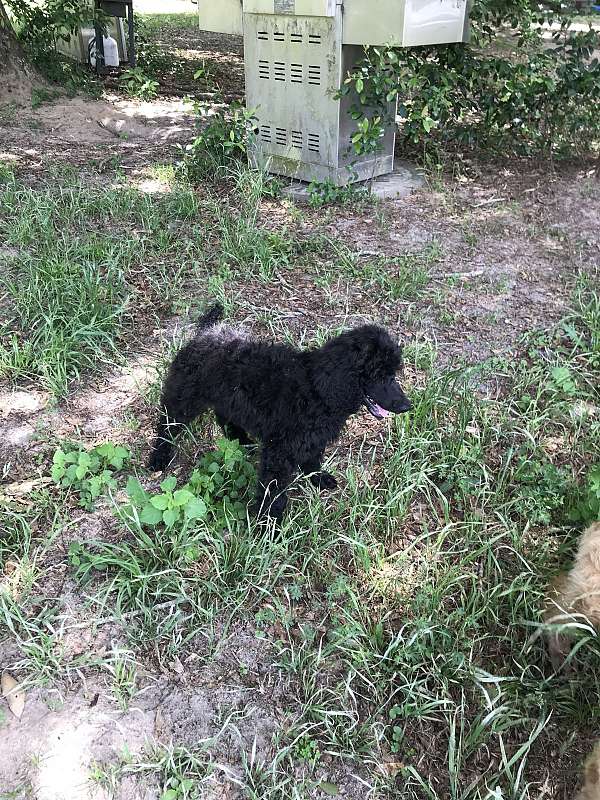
(294, 402)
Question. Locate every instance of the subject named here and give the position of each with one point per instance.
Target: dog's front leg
(276, 472)
(319, 478)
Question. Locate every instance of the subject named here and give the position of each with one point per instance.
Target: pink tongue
(381, 411)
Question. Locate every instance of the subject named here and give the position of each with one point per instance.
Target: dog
(591, 781)
(294, 403)
(575, 595)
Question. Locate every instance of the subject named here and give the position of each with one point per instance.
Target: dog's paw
(158, 460)
(323, 480)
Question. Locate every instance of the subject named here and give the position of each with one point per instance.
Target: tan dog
(574, 596)
(591, 782)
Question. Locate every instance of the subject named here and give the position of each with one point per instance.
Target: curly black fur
(295, 403)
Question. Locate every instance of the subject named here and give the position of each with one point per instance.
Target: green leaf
(329, 788)
(196, 509)
(182, 496)
(121, 454)
(169, 484)
(150, 515)
(105, 450)
(84, 459)
(136, 492)
(57, 472)
(71, 472)
(80, 471)
(94, 486)
(59, 457)
(160, 501)
(170, 517)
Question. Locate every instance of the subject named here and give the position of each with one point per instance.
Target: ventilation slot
(265, 133)
(314, 75)
(263, 70)
(296, 38)
(263, 36)
(296, 73)
(314, 142)
(279, 70)
(314, 38)
(278, 36)
(281, 136)
(297, 139)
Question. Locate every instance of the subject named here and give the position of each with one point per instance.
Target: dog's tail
(210, 317)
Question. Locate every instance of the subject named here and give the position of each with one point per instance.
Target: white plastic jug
(111, 52)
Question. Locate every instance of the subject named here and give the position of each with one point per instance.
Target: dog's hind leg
(173, 416)
(318, 477)
(233, 431)
(275, 475)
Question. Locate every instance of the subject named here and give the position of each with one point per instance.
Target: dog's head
(360, 367)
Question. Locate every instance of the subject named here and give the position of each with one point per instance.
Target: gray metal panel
(434, 22)
(220, 16)
(374, 22)
(301, 8)
(404, 22)
(293, 70)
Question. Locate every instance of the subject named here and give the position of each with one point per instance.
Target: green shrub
(216, 491)
(90, 473)
(222, 141)
(137, 84)
(586, 504)
(532, 99)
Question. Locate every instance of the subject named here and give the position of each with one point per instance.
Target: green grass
(430, 578)
(154, 22)
(84, 274)
(400, 615)
(436, 636)
(398, 278)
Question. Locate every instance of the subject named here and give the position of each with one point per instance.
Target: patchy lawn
(385, 643)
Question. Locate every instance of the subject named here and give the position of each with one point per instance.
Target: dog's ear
(385, 353)
(338, 381)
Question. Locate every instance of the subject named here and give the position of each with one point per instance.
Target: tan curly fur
(591, 780)
(575, 595)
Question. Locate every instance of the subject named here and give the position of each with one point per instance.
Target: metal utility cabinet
(297, 53)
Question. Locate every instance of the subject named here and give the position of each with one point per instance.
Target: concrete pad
(405, 179)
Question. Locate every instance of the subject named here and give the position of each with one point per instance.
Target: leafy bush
(324, 193)
(39, 25)
(540, 487)
(534, 99)
(138, 84)
(215, 491)
(223, 141)
(223, 479)
(586, 504)
(166, 508)
(90, 473)
(150, 57)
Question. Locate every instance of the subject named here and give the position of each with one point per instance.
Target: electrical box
(296, 56)
(77, 45)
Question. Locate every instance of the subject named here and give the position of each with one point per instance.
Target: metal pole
(131, 33)
(99, 42)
